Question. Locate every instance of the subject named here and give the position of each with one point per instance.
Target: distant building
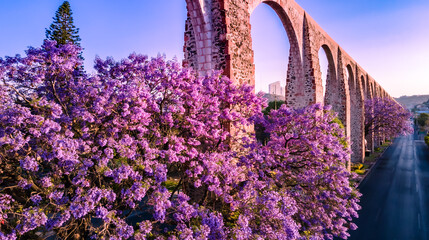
(276, 89)
(275, 92)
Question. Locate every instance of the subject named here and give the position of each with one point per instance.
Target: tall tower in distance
(276, 89)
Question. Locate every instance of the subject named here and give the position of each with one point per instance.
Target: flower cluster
(301, 176)
(384, 117)
(144, 149)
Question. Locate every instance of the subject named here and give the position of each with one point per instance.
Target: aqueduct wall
(218, 36)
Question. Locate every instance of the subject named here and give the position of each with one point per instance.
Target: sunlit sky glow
(388, 38)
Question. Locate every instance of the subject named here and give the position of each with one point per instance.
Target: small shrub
(357, 166)
(427, 139)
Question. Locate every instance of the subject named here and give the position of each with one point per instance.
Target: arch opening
(330, 84)
(287, 49)
(362, 83)
(275, 50)
(323, 63)
(271, 49)
(349, 75)
(194, 44)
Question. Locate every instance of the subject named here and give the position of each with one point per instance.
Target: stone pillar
(345, 114)
(313, 89)
(357, 118)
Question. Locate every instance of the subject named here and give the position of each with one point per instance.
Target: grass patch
(360, 168)
(170, 184)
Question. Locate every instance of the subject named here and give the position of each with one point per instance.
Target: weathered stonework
(218, 36)
(190, 46)
(357, 114)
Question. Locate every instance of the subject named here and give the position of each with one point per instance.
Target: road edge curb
(377, 161)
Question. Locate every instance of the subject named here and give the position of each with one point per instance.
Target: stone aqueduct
(218, 36)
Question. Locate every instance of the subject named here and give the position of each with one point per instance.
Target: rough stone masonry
(218, 36)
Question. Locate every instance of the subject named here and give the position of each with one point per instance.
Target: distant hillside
(411, 101)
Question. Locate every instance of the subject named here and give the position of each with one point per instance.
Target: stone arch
(350, 75)
(364, 86)
(372, 87)
(332, 86)
(336, 93)
(218, 36)
(356, 114)
(196, 29)
(368, 93)
(372, 142)
(287, 23)
(376, 91)
(343, 110)
(271, 36)
(294, 85)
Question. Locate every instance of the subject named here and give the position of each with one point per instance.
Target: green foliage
(343, 141)
(338, 121)
(359, 168)
(171, 184)
(272, 105)
(427, 139)
(62, 29)
(422, 119)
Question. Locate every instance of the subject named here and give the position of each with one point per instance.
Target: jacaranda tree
(386, 118)
(144, 149)
(303, 162)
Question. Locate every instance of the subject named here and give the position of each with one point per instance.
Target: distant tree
(385, 117)
(273, 105)
(422, 119)
(62, 30)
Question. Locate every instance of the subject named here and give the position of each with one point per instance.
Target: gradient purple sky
(389, 38)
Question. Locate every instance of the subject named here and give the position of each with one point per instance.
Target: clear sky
(388, 38)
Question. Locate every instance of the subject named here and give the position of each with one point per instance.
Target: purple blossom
(46, 182)
(36, 199)
(122, 173)
(29, 164)
(384, 117)
(24, 184)
(109, 153)
(10, 236)
(102, 213)
(145, 227)
(123, 230)
(147, 134)
(32, 218)
(58, 221)
(134, 194)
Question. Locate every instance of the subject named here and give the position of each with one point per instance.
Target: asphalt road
(395, 201)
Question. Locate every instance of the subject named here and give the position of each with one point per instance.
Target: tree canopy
(62, 30)
(422, 119)
(144, 149)
(386, 118)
